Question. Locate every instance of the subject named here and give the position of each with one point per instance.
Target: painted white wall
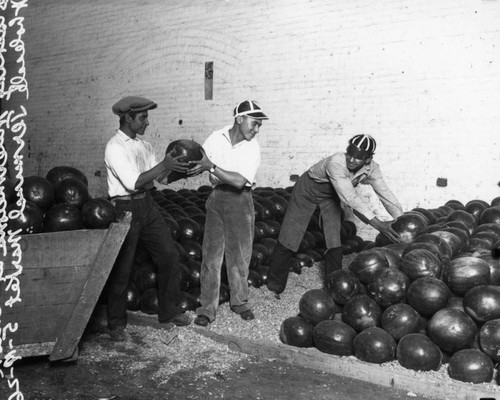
(421, 76)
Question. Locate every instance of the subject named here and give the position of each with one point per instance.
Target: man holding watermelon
(326, 185)
(232, 156)
(132, 167)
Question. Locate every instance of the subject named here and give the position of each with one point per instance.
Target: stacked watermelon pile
(60, 201)
(432, 299)
(184, 212)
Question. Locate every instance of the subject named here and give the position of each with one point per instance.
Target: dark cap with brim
(249, 108)
(133, 104)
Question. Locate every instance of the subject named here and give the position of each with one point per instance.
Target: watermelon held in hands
(186, 150)
(410, 225)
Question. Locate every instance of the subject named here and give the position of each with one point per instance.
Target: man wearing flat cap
(132, 168)
(232, 156)
(327, 184)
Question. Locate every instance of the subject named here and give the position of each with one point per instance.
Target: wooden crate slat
(61, 249)
(38, 324)
(34, 349)
(51, 285)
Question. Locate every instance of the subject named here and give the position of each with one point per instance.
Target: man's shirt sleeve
(339, 177)
(388, 199)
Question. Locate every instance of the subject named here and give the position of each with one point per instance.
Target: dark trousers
(306, 196)
(147, 226)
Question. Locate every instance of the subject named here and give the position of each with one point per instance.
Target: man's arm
(232, 178)
(386, 196)
(160, 172)
(339, 177)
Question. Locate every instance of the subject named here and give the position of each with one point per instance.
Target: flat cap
(133, 104)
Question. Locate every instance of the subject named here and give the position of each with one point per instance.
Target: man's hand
(385, 228)
(197, 167)
(173, 164)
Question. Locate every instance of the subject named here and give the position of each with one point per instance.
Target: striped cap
(362, 146)
(250, 109)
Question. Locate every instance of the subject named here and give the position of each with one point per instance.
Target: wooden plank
(38, 324)
(51, 285)
(33, 349)
(69, 337)
(419, 383)
(60, 249)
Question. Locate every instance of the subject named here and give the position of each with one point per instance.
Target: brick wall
(421, 77)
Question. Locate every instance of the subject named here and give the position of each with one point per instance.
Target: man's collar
(125, 136)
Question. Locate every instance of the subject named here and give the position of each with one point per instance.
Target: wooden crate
(63, 274)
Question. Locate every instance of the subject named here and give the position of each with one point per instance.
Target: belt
(229, 188)
(133, 196)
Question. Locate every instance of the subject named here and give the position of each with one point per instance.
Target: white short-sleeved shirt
(243, 158)
(125, 160)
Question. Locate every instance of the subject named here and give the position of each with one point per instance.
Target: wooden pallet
(63, 274)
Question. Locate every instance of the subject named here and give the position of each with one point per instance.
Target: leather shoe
(180, 320)
(201, 320)
(117, 334)
(247, 315)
